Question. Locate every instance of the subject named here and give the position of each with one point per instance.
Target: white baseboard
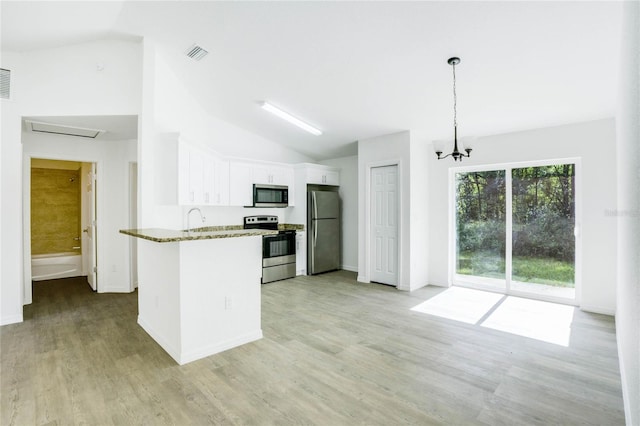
(419, 286)
(114, 289)
(185, 358)
(625, 384)
(349, 268)
(597, 310)
(220, 347)
(11, 319)
(173, 352)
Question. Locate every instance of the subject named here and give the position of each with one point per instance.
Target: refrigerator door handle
(315, 233)
(315, 205)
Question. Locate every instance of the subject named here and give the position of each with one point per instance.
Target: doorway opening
(62, 212)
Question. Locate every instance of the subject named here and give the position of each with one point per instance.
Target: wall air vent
(196, 52)
(5, 84)
(62, 129)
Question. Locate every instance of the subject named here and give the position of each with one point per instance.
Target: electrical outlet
(228, 303)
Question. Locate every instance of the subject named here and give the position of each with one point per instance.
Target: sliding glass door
(543, 223)
(514, 230)
(481, 227)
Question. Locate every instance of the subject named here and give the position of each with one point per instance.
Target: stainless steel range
(278, 251)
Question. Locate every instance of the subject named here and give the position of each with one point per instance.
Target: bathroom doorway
(62, 214)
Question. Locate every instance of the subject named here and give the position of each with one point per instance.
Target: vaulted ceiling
(362, 69)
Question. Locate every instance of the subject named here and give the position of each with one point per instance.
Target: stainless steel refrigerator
(323, 240)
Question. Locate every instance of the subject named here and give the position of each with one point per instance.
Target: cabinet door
(323, 176)
(314, 176)
(240, 184)
(196, 181)
(183, 174)
(301, 253)
(221, 182)
(332, 178)
(208, 179)
(281, 176)
(261, 174)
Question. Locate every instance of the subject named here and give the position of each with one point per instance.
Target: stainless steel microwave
(270, 195)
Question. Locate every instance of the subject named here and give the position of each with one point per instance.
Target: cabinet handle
(191, 196)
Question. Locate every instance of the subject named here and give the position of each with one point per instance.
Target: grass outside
(547, 271)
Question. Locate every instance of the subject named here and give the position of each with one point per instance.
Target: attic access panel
(59, 129)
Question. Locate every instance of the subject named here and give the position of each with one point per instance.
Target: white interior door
(384, 225)
(89, 224)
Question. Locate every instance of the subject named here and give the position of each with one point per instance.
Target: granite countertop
(290, 227)
(160, 235)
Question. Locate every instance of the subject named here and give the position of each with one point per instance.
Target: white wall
(628, 214)
(169, 108)
(594, 143)
(397, 148)
(61, 81)
(112, 158)
(349, 197)
(419, 203)
(67, 81)
(11, 201)
(374, 152)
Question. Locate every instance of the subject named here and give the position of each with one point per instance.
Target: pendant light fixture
(456, 154)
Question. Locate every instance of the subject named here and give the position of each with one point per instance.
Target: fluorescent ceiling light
(290, 118)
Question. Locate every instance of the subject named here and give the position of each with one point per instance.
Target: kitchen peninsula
(199, 291)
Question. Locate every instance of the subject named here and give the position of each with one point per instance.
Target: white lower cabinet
(301, 253)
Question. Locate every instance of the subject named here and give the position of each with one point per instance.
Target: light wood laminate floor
(335, 352)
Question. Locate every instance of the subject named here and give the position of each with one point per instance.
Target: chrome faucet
(189, 214)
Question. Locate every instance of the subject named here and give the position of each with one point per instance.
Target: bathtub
(56, 265)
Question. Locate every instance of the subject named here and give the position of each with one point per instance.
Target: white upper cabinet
(244, 174)
(273, 174)
(322, 175)
(240, 184)
(196, 194)
(221, 182)
(190, 175)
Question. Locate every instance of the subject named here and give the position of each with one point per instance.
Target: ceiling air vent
(5, 83)
(196, 52)
(62, 129)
